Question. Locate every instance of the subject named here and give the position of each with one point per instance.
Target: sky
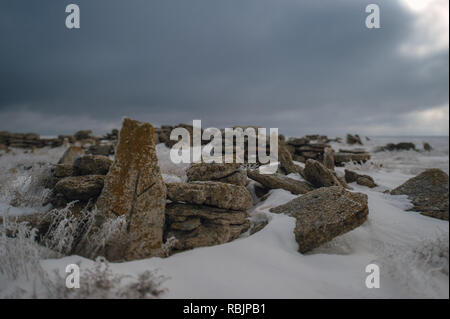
(302, 66)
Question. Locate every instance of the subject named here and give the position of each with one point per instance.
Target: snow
(410, 249)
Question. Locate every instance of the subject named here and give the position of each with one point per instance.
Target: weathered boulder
(91, 165)
(427, 147)
(324, 214)
(101, 149)
(134, 190)
(285, 159)
(82, 135)
(403, 146)
(230, 173)
(428, 193)
(364, 180)
(354, 139)
(63, 170)
(216, 194)
(318, 175)
(275, 181)
(81, 188)
(72, 153)
(198, 226)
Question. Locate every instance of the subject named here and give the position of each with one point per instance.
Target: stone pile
(302, 149)
(206, 213)
(78, 178)
(27, 140)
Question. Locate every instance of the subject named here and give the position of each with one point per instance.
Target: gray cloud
(303, 66)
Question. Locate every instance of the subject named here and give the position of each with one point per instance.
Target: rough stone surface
(285, 159)
(217, 226)
(354, 139)
(364, 180)
(92, 165)
(80, 187)
(328, 158)
(324, 214)
(341, 158)
(216, 194)
(427, 147)
(134, 188)
(428, 192)
(318, 175)
(71, 154)
(63, 170)
(82, 135)
(230, 173)
(275, 181)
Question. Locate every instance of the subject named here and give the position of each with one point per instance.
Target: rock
(318, 175)
(328, 158)
(82, 135)
(404, 146)
(134, 189)
(275, 181)
(428, 193)
(101, 149)
(341, 158)
(71, 154)
(177, 212)
(427, 147)
(324, 214)
(81, 188)
(92, 165)
(354, 139)
(364, 180)
(187, 225)
(230, 173)
(217, 226)
(297, 141)
(63, 170)
(216, 194)
(285, 159)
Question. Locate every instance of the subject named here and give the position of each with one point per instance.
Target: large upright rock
(428, 192)
(323, 214)
(318, 175)
(134, 188)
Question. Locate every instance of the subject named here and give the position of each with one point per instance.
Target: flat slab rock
(230, 173)
(215, 194)
(275, 181)
(324, 214)
(428, 192)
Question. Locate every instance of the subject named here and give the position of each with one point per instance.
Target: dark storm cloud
(302, 66)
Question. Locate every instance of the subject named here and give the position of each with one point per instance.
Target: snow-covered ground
(410, 249)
